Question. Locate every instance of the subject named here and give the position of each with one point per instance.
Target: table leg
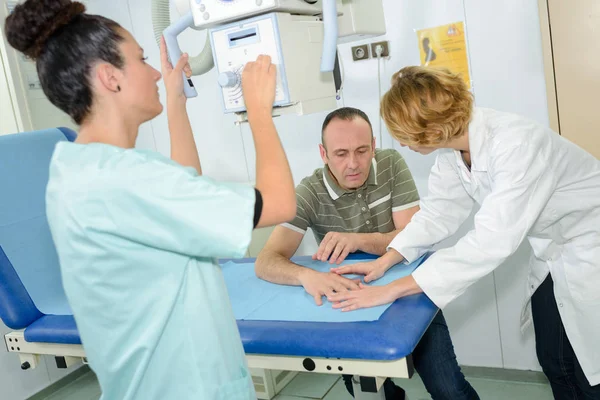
(368, 388)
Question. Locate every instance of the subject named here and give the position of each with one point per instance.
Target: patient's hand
(319, 284)
(336, 246)
(372, 270)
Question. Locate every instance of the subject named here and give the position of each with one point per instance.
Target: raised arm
(273, 176)
(183, 145)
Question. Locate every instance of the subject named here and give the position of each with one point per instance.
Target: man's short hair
(345, 114)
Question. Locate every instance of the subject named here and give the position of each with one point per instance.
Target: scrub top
(137, 237)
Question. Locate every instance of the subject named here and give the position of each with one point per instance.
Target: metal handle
(174, 51)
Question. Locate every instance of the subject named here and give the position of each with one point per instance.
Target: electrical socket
(360, 52)
(386, 49)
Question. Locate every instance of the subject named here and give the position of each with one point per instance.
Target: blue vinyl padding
(70, 134)
(60, 329)
(394, 336)
(24, 234)
(17, 310)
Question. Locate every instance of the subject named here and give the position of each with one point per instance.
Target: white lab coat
(531, 183)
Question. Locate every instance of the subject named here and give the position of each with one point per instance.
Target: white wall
(8, 122)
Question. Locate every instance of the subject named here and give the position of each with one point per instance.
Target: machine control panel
(236, 44)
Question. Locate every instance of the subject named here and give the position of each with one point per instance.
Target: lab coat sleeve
(442, 212)
(172, 208)
(522, 183)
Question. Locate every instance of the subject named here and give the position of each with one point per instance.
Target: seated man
(359, 201)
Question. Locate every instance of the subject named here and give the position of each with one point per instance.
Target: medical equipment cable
(245, 155)
(343, 73)
(378, 52)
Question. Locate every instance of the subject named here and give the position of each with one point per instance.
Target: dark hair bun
(30, 25)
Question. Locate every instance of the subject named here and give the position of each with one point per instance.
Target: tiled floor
(330, 387)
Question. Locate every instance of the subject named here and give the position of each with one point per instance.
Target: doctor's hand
(372, 270)
(258, 85)
(336, 246)
(371, 296)
(172, 75)
(365, 297)
(319, 284)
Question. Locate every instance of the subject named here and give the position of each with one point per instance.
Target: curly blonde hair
(426, 106)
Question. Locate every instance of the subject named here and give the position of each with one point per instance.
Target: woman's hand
(371, 296)
(258, 85)
(372, 270)
(172, 75)
(364, 297)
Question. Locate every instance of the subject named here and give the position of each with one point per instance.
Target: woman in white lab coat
(531, 184)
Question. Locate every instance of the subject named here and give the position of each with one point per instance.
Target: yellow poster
(445, 46)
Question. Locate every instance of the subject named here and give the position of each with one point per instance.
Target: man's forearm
(183, 145)
(375, 243)
(273, 267)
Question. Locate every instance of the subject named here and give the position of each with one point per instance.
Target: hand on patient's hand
(336, 246)
(258, 85)
(365, 297)
(172, 75)
(319, 284)
(372, 270)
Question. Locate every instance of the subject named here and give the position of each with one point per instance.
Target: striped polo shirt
(325, 207)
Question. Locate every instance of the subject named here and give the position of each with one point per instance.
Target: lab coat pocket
(582, 270)
(239, 389)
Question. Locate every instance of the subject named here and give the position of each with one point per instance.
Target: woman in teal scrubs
(137, 233)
